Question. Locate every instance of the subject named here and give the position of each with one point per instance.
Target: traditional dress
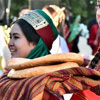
(56, 84)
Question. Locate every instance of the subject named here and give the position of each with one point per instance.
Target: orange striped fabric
(57, 83)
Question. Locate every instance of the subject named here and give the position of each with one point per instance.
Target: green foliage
(63, 1)
(16, 6)
(86, 8)
(79, 7)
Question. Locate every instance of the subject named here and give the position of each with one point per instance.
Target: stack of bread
(22, 67)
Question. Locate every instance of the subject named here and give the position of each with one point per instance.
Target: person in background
(73, 35)
(58, 16)
(94, 64)
(94, 35)
(23, 11)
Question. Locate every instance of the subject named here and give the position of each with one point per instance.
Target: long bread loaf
(21, 63)
(29, 72)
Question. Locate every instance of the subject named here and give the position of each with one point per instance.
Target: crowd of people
(38, 33)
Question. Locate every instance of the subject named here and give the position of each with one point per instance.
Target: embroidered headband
(43, 25)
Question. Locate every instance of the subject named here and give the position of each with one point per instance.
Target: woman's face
(19, 46)
(98, 12)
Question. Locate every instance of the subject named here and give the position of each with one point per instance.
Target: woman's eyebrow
(13, 33)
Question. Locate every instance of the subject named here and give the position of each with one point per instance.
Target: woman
(32, 36)
(95, 61)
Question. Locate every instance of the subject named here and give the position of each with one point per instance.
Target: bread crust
(29, 72)
(22, 63)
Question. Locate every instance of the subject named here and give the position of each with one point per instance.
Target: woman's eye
(16, 37)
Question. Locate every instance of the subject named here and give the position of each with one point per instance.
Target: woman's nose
(10, 42)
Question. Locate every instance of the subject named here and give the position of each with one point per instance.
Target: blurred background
(9, 9)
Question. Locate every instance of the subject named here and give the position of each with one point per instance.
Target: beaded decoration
(35, 19)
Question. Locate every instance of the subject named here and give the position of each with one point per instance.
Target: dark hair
(94, 62)
(29, 32)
